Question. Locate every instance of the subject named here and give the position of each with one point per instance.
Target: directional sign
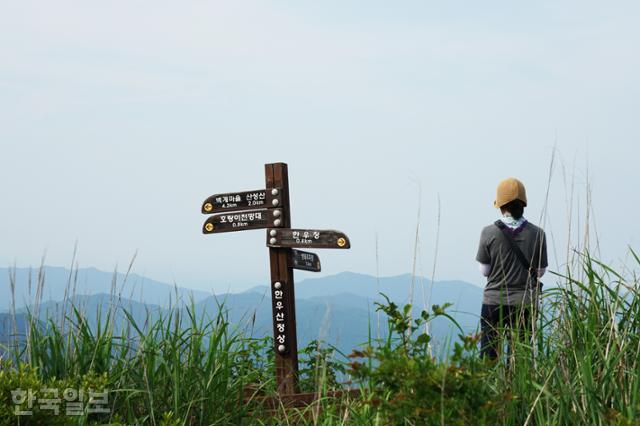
(310, 238)
(247, 200)
(242, 221)
(305, 260)
(270, 208)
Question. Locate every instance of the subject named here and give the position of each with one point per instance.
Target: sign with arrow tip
(310, 238)
(246, 200)
(241, 221)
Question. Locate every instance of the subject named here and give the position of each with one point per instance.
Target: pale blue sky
(117, 119)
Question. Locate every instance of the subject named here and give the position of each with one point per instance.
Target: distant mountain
(97, 308)
(465, 296)
(338, 309)
(12, 328)
(60, 282)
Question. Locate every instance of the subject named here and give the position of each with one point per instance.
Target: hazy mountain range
(60, 282)
(338, 309)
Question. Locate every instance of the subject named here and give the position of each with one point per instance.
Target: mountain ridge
(60, 282)
(339, 309)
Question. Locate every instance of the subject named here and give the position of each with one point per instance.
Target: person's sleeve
(483, 250)
(485, 269)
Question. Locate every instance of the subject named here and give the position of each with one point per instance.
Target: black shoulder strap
(521, 257)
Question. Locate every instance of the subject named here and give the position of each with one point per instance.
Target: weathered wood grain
(283, 304)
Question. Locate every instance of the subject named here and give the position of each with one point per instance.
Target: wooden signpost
(269, 208)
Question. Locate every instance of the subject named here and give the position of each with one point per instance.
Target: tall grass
(579, 365)
(179, 368)
(587, 351)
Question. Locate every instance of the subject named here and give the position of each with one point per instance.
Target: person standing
(512, 255)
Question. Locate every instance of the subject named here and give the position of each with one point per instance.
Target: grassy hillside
(578, 365)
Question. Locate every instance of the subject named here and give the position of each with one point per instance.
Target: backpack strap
(516, 250)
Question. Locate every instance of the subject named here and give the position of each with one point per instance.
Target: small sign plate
(240, 221)
(310, 238)
(305, 260)
(247, 200)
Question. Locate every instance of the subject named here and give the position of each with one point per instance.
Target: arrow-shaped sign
(247, 200)
(242, 221)
(310, 238)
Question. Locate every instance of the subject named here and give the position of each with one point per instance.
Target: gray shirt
(509, 282)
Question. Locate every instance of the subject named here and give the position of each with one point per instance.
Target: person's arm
(482, 257)
(485, 268)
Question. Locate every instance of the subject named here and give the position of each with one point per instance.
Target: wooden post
(282, 291)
